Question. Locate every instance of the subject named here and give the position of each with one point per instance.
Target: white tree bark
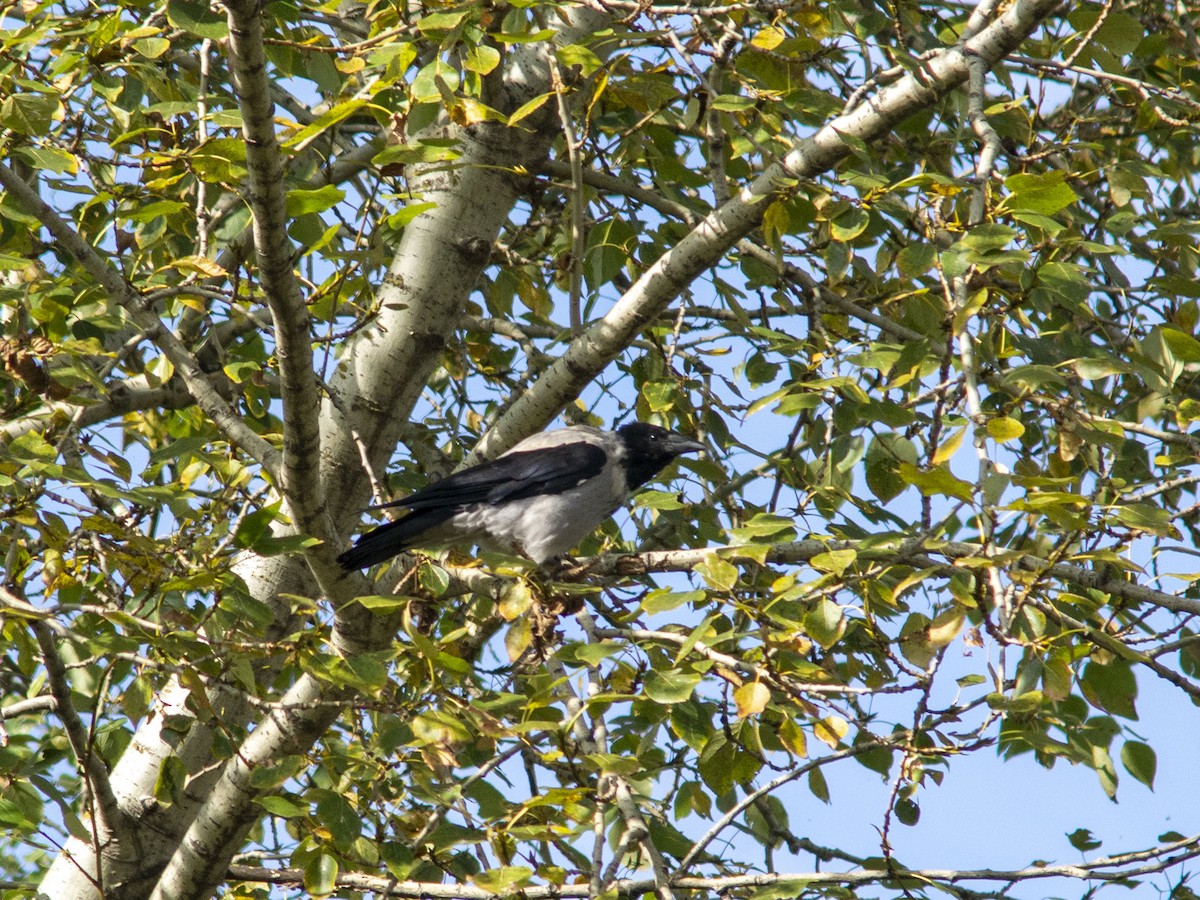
(183, 850)
(708, 242)
(189, 844)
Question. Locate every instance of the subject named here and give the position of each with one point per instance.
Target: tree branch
(301, 484)
(228, 812)
(1113, 868)
(110, 821)
(708, 242)
(119, 290)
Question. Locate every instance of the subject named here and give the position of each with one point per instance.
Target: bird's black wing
(514, 476)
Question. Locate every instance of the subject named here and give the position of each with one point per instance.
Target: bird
(538, 500)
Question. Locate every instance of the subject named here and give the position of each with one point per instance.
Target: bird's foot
(568, 568)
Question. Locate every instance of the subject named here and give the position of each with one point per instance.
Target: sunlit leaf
(751, 698)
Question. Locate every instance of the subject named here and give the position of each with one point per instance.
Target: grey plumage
(539, 499)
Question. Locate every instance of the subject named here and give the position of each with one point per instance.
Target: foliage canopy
(923, 276)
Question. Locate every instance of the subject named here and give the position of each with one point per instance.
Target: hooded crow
(539, 499)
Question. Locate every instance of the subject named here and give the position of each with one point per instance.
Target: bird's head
(649, 448)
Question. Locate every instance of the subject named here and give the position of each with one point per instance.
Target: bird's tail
(384, 542)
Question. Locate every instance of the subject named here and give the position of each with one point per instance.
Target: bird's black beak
(678, 444)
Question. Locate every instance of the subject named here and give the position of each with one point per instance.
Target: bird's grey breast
(548, 525)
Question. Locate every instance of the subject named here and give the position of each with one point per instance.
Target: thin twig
(575, 157)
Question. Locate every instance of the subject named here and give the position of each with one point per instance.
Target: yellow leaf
(945, 628)
(792, 737)
(529, 108)
(767, 39)
(776, 222)
(199, 265)
(516, 600)
(751, 698)
(518, 638)
(597, 91)
(950, 446)
(468, 111)
(1004, 429)
(1069, 444)
(831, 730)
(199, 696)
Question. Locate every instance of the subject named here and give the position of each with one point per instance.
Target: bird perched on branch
(539, 499)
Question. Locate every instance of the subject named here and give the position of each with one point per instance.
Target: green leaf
(1185, 347)
(48, 159)
(765, 525)
(835, 562)
(434, 579)
(1083, 840)
(323, 123)
(384, 605)
(938, 481)
(672, 686)
(278, 546)
(817, 785)
(915, 645)
(503, 879)
(152, 47)
(408, 213)
(1105, 771)
(482, 59)
(1004, 429)
(301, 202)
(716, 764)
(885, 455)
(692, 723)
(731, 103)
(320, 875)
(665, 600)
(30, 113)
(529, 107)
(825, 623)
(717, 573)
(907, 811)
(1148, 518)
(367, 672)
(1119, 33)
(255, 526)
(987, 237)
(281, 806)
(577, 55)
(198, 18)
(916, 259)
(335, 813)
(1140, 761)
(1045, 194)
(946, 626)
(220, 160)
(591, 654)
(1111, 687)
(660, 396)
(792, 736)
(850, 224)
(441, 21)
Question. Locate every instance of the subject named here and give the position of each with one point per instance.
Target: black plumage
(539, 499)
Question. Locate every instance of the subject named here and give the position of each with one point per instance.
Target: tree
(923, 275)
